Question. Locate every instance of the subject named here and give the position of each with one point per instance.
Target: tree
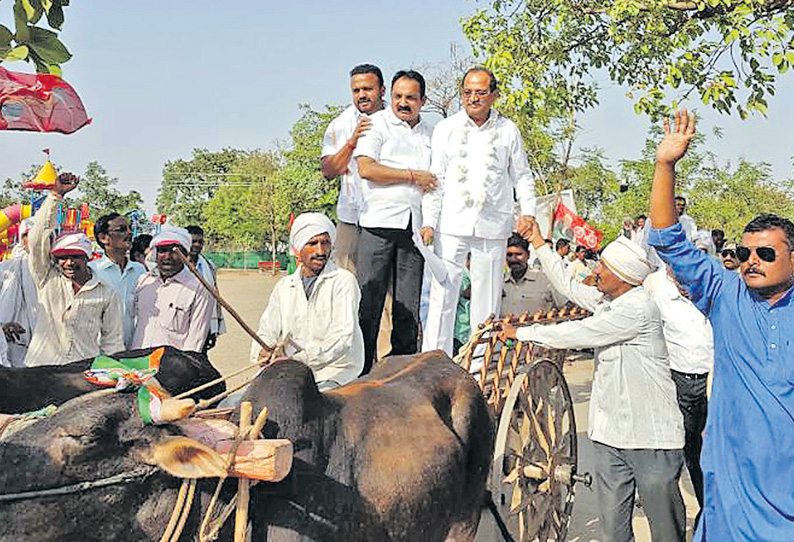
(443, 81)
(97, 189)
(188, 185)
(34, 43)
(729, 52)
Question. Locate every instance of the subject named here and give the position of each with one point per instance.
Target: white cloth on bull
(322, 331)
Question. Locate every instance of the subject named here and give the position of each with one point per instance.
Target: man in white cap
(313, 313)
(79, 316)
(19, 301)
(635, 424)
(171, 306)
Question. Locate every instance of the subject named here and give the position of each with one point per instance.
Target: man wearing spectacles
(479, 159)
(728, 257)
(114, 235)
(748, 446)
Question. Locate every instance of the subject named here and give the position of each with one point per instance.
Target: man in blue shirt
(748, 448)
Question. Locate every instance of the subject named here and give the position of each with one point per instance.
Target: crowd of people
(435, 233)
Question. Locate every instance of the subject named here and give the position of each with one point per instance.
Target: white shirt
(171, 311)
(690, 228)
(479, 168)
(124, 284)
(393, 143)
(69, 326)
(208, 273)
(687, 331)
(19, 303)
(633, 403)
(336, 136)
(323, 329)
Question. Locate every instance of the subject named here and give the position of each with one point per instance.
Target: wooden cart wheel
(535, 456)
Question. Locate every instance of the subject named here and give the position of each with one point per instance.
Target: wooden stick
(243, 484)
(214, 291)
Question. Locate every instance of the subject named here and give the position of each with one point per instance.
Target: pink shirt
(174, 311)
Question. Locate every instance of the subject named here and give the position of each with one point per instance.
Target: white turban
(72, 244)
(172, 236)
(307, 226)
(627, 260)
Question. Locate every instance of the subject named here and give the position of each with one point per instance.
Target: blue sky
(162, 78)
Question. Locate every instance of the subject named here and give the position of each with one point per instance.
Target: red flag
(571, 226)
(39, 103)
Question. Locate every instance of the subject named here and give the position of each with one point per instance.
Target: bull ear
(187, 458)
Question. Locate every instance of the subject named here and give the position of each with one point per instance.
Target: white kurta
(479, 168)
(19, 303)
(336, 136)
(323, 330)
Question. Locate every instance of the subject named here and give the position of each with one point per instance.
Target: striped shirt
(70, 326)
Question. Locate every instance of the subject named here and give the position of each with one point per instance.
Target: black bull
(31, 388)
(401, 455)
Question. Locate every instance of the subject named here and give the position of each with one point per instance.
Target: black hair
(140, 244)
(769, 221)
(581, 248)
(642, 217)
(493, 83)
(102, 225)
(195, 230)
(516, 240)
(411, 74)
(717, 231)
(562, 242)
(362, 69)
(680, 198)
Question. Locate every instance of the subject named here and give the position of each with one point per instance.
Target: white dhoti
(487, 276)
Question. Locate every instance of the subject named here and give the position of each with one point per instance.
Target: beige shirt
(70, 326)
(174, 311)
(530, 293)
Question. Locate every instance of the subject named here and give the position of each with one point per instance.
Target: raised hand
(676, 138)
(66, 182)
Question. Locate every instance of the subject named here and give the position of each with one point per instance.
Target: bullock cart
(535, 456)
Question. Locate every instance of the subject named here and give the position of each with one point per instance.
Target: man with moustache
(635, 424)
(114, 235)
(479, 158)
(312, 314)
(525, 289)
(171, 306)
(339, 142)
(79, 316)
(210, 275)
(393, 157)
(748, 444)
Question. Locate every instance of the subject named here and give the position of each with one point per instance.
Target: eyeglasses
(765, 253)
(728, 252)
(468, 93)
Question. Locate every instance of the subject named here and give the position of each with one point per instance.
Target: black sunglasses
(765, 253)
(728, 252)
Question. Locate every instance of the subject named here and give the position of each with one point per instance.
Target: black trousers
(384, 254)
(691, 394)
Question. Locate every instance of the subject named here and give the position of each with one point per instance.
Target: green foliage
(34, 43)
(189, 184)
(249, 205)
(729, 52)
(98, 189)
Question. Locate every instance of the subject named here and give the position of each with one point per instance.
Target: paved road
(248, 293)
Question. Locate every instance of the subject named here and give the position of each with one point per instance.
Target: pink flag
(39, 103)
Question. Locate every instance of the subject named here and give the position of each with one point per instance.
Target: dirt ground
(248, 292)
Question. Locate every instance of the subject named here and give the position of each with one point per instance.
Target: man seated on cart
(313, 313)
(635, 424)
